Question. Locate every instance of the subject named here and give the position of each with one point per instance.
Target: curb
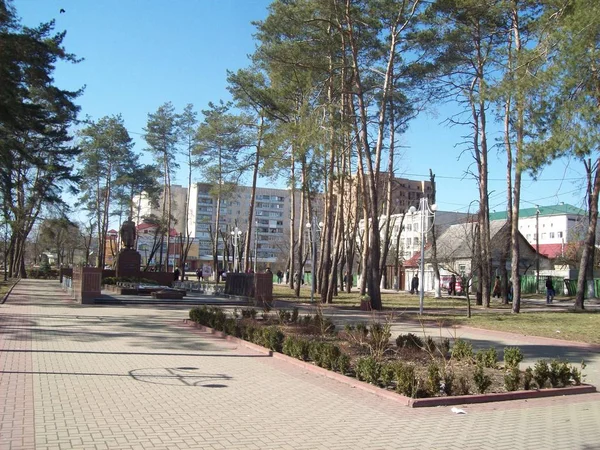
(399, 398)
(9, 291)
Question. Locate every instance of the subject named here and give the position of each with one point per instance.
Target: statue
(128, 233)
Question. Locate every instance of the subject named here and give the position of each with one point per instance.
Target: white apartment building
(270, 231)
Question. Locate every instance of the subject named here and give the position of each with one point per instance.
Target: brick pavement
(100, 377)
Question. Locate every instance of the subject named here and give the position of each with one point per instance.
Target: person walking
(452, 285)
(176, 274)
(414, 285)
(497, 291)
(549, 290)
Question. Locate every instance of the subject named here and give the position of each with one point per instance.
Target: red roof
(414, 261)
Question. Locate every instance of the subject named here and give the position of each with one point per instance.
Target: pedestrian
(346, 280)
(176, 274)
(279, 276)
(199, 273)
(549, 290)
(414, 285)
(497, 291)
(452, 285)
(287, 276)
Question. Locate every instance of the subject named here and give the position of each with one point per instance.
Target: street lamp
(313, 236)
(236, 235)
(537, 248)
(426, 212)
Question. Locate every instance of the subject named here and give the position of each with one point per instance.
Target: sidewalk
(114, 377)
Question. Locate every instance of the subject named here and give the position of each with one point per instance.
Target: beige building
(145, 208)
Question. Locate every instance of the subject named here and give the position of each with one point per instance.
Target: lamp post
(236, 235)
(537, 248)
(313, 236)
(426, 212)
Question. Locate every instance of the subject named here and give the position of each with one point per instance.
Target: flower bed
(427, 371)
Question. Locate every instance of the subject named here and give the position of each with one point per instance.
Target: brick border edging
(9, 291)
(399, 398)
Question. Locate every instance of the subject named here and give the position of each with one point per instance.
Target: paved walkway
(114, 377)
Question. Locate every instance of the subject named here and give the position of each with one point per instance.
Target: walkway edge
(391, 395)
(9, 291)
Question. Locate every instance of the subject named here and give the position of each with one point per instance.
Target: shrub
(577, 374)
(294, 318)
(444, 346)
(527, 378)
(407, 382)
(249, 313)
(379, 339)
(462, 386)
(512, 357)
(368, 369)
(448, 382)
(306, 320)
(388, 373)
(409, 341)
(512, 379)
(482, 381)
(487, 358)
(560, 373)
(284, 316)
(541, 373)
(272, 338)
(343, 363)
(315, 353)
(288, 345)
(434, 378)
(462, 350)
(362, 330)
(230, 327)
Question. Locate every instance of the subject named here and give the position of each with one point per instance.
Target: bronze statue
(128, 233)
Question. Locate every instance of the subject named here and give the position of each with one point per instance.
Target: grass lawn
(5, 287)
(568, 325)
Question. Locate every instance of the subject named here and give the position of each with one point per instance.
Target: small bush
(462, 386)
(512, 379)
(379, 339)
(294, 318)
(448, 382)
(343, 363)
(560, 373)
(407, 382)
(487, 358)
(462, 350)
(444, 346)
(512, 357)
(388, 373)
(409, 341)
(434, 378)
(284, 316)
(482, 381)
(272, 338)
(541, 373)
(315, 352)
(306, 320)
(368, 369)
(577, 374)
(527, 378)
(430, 345)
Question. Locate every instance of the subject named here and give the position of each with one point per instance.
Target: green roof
(553, 210)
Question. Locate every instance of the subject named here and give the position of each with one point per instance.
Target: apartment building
(269, 241)
(144, 207)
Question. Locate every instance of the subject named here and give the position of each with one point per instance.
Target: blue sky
(140, 54)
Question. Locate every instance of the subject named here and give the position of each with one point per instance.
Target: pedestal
(128, 263)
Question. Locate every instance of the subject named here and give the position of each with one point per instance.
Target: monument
(128, 260)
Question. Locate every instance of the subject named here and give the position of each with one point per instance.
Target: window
(560, 234)
(408, 227)
(543, 235)
(416, 241)
(408, 242)
(551, 235)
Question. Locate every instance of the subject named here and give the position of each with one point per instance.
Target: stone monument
(129, 260)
